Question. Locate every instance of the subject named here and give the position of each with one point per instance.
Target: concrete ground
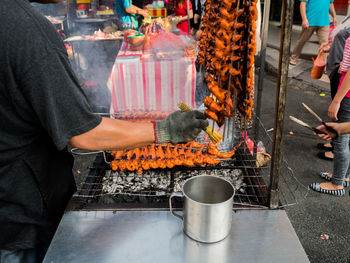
(315, 214)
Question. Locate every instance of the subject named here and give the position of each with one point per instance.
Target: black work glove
(180, 127)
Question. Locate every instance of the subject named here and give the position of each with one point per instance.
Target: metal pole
(188, 18)
(264, 34)
(281, 89)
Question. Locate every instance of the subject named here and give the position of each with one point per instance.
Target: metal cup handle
(178, 194)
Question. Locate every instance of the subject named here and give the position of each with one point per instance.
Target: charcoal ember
(132, 182)
(234, 176)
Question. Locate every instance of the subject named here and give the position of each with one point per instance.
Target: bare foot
(330, 186)
(328, 145)
(329, 154)
(331, 175)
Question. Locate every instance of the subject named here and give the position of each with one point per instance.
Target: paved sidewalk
(302, 71)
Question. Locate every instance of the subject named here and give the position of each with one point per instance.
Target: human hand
(196, 18)
(340, 66)
(325, 47)
(180, 127)
(330, 135)
(198, 34)
(335, 21)
(305, 24)
(144, 13)
(333, 110)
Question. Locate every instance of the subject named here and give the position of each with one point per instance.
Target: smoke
(93, 60)
(93, 66)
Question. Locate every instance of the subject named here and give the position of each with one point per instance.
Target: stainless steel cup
(207, 211)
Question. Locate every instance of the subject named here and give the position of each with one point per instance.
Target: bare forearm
(303, 10)
(343, 89)
(133, 10)
(344, 128)
(332, 10)
(113, 134)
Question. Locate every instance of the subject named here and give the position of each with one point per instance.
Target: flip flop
(322, 155)
(317, 188)
(322, 147)
(325, 176)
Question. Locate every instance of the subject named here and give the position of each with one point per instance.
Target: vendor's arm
(305, 22)
(132, 9)
(335, 105)
(113, 134)
(333, 13)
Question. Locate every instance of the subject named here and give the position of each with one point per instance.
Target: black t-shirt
(40, 100)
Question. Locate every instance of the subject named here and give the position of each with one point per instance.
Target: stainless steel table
(156, 236)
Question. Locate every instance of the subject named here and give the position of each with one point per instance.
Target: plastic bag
(318, 67)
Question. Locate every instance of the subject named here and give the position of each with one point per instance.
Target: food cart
(122, 214)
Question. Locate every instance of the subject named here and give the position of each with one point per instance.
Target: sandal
(325, 148)
(322, 155)
(317, 188)
(325, 176)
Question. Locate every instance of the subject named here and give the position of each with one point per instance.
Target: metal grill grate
(105, 188)
(248, 179)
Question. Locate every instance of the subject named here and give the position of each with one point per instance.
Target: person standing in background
(335, 56)
(339, 110)
(195, 21)
(181, 15)
(315, 17)
(127, 12)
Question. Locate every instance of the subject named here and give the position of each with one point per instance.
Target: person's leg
(341, 147)
(304, 36)
(322, 34)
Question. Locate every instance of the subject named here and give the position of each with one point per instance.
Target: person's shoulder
(24, 22)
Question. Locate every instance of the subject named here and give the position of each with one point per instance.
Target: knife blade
(306, 125)
(312, 112)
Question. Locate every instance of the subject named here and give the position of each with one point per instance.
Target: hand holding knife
(329, 128)
(316, 130)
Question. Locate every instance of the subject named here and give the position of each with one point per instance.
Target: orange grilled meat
(226, 25)
(131, 165)
(159, 152)
(228, 3)
(234, 72)
(212, 149)
(122, 165)
(198, 159)
(114, 165)
(219, 93)
(152, 152)
(210, 159)
(189, 156)
(219, 44)
(228, 16)
(211, 115)
(253, 12)
(238, 25)
(212, 105)
(234, 58)
(118, 154)
(237, 37)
